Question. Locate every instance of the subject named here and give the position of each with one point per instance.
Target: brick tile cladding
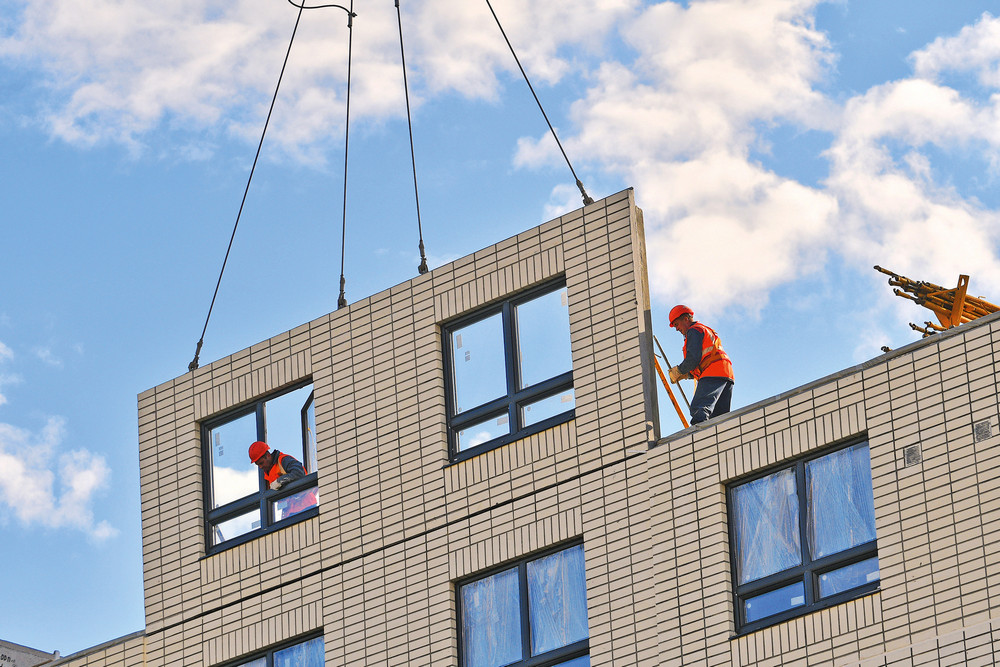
(398, 525)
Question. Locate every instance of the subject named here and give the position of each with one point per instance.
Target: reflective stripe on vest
(714, 360)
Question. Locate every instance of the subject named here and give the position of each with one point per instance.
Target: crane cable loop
(350, 20)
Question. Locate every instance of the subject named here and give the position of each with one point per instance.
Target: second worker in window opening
(280, 469)
(706, 362)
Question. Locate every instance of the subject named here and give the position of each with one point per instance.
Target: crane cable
(586, 198)
(194, 362)
(413, 158)
(342, 299)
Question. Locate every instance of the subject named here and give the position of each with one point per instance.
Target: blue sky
(779, 149)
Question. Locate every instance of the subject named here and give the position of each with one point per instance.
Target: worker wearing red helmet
(706, 362)
(280, 469)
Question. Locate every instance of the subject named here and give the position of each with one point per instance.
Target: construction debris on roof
(951, 306)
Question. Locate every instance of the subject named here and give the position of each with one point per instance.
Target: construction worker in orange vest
(280, 469)
(706, 362)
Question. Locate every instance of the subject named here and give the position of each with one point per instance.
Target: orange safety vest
(306, 501)
(714, 360)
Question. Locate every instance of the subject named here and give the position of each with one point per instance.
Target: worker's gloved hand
(674, 374)
(276, 484)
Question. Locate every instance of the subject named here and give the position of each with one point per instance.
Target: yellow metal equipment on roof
(952, 306)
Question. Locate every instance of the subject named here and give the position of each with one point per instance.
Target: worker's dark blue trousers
(711, 398)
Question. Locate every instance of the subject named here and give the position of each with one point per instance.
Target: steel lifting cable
(194, 362)
(413, 158)
(586, 198)
(342, 299)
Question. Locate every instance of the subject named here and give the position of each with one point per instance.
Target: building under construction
(491, 487)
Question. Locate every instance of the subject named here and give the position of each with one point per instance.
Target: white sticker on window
(799, 599)
(502, 420)
(458, 341)
(566, 398)
(563, 298)
(872, 576)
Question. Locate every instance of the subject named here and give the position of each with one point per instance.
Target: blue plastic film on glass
(484, 431)
(766, 512)
(774, 602)
(233, 475)
(841, 507)
(532, 413)
(846, 578)
(491, 621)
(582, 661)
(543, 337)
(557, 600)
(477, 359)
(307, 654)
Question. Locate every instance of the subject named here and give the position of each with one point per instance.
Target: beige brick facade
(375, 571)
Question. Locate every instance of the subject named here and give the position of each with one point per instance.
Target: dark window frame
(269, 652)
(553, 657)
(510, 403)
(809, 570)
(264, 498)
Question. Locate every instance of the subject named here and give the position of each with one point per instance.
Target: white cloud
(47, 357)
(6, 354)
(118, 72)
(974, 48)
(895, 212)
(43, 486)
(680, 124)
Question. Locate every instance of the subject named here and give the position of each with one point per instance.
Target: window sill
(251, 536)
(496, 443)
(833, 601)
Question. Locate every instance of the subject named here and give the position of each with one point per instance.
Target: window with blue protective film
(803, 536)
(557, 600)
(846, 578)
(775, 602)
(840, 501)
(767, 526)
(491, 621)
(543, 337)
(533, 613)
(306, 654)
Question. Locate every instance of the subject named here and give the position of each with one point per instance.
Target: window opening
(532, 613)
(803, 537)
(510, 370)
(240, 503)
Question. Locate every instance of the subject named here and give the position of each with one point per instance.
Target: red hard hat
(257, 450)
(677, 311)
